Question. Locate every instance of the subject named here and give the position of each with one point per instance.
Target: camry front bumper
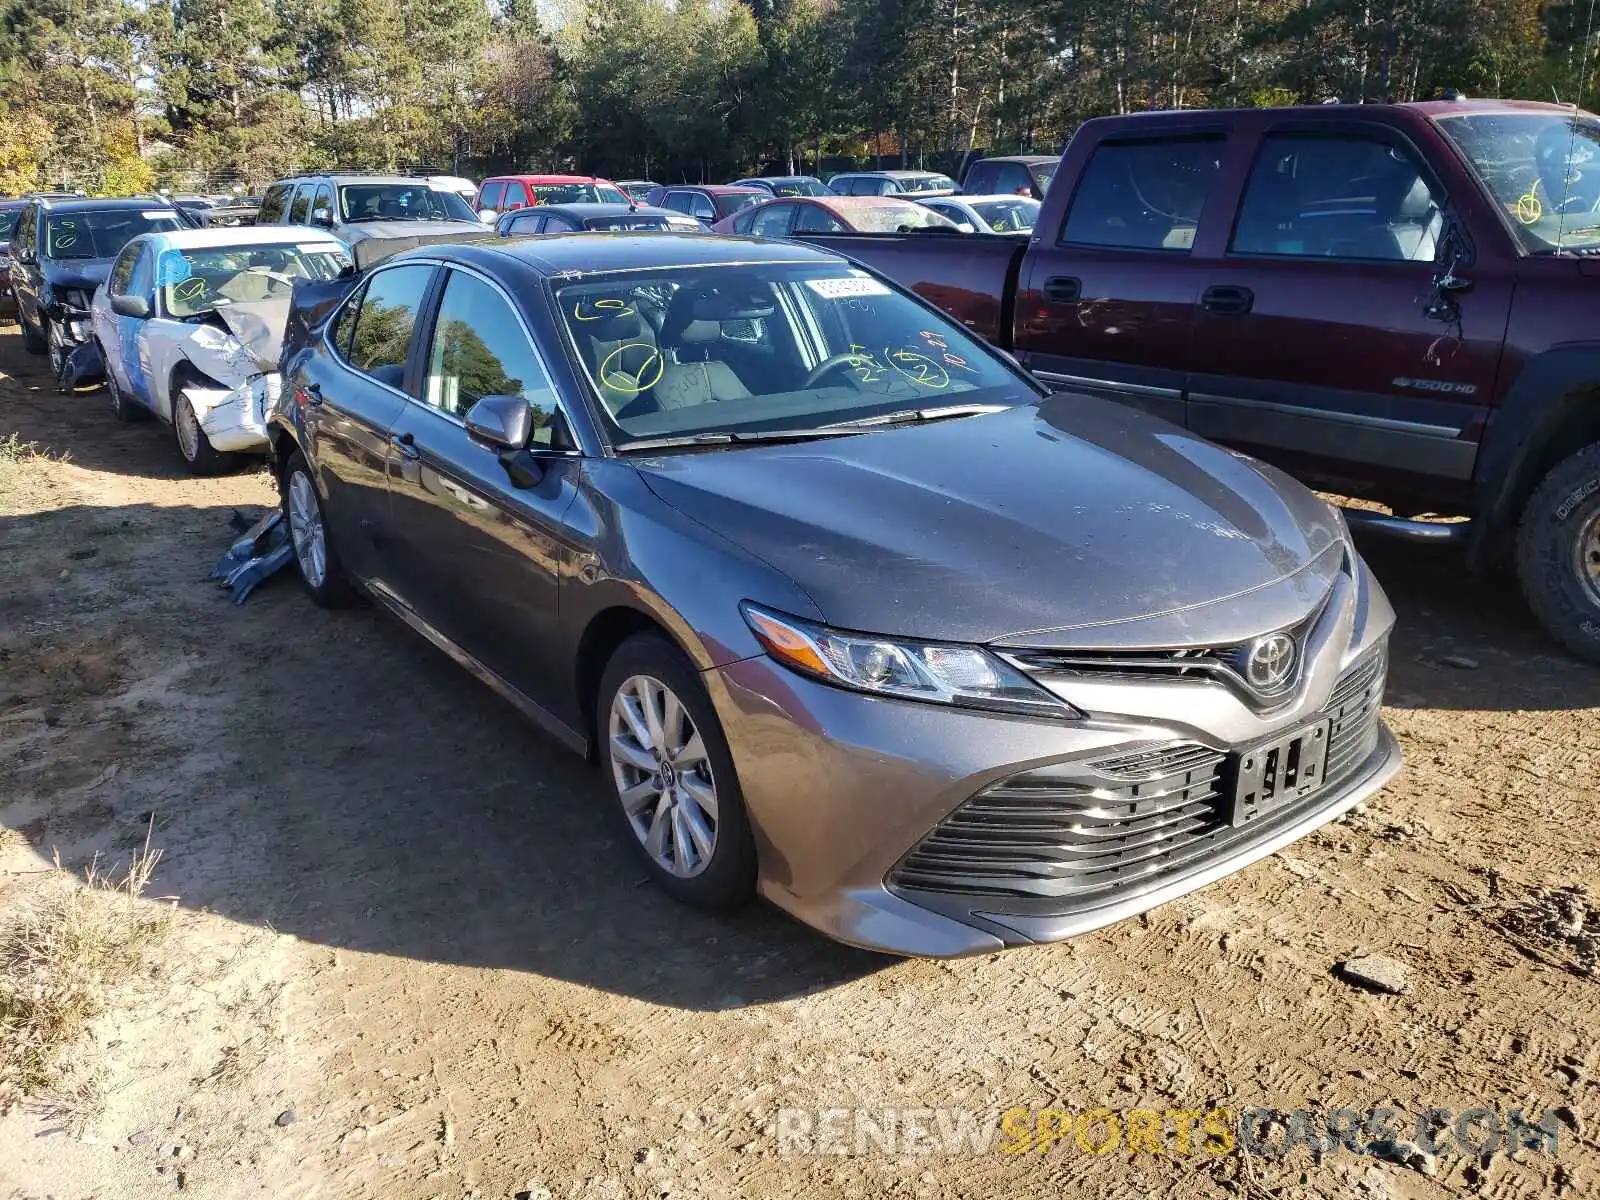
(930, 830)
(235, 419)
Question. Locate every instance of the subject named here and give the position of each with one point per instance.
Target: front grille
(1071, 836)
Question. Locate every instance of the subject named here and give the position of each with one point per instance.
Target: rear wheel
(672, 776)
(196, 449)
(320, 569)
(1558, 552)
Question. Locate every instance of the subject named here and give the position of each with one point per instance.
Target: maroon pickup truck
(1399, 303)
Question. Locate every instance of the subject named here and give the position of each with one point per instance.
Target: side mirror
(487, 215)
(966, 227)
(130, 306)
(500, 422)
(323, 217)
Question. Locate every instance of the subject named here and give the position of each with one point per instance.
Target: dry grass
(20, 487)
(62, 958)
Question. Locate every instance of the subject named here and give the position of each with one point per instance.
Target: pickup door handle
(1227, 300)
(1062, 289)
(407, 445)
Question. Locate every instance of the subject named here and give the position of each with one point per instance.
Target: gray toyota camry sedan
(848, 611)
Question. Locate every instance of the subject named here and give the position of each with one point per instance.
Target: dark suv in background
(61, 250)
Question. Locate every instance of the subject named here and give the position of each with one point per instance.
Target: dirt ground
(409, 960)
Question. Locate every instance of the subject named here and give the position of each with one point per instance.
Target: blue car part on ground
(259, 552)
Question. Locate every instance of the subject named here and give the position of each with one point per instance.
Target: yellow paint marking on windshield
(189, 289)
(1529, 207)
(919, 368)
(603, 308)
(619, 379)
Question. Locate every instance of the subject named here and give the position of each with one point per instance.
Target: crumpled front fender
(235, 419)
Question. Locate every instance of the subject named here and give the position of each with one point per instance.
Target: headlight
(965, 676)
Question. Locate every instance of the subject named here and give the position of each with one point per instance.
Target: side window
(1337, 197)
(813, 218)
(700, 206)
(772, 220)
(516, 196)
(885, 187)
(980, 180)
(1144, 195)
(344, 324)
(122, 271)
(302, 204)
(323, 201)
(385, 322)
(28, 228)
(143, 280)
(558, 225)
(493, 193)
(1012, 180)
(274, 204)
(521, 225)
(479, 349)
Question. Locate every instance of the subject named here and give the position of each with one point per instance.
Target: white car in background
(189, 325)
(988, 214)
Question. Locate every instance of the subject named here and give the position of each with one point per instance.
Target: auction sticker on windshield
(839, 289)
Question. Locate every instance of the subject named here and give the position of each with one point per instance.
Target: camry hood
(357, 231)
(1042, 525)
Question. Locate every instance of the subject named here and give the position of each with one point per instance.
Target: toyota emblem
(1271, 662)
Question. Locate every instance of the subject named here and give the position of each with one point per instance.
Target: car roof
(247, 235)
(846, 203)
(108, 204)
(778, 178)
(711, 189)
(1453, 108)
(596, 208)
(552, 179)
(578, 254)
(966, 199)
(1029, 159)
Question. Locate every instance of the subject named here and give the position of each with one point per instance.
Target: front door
(349, 401)
(1107, 301)
(1319, 340)
(476, 558)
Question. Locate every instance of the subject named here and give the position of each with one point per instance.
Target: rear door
(477, 559)
(351, 398)
(1107, 301)
(773, 220)
(1315, 345)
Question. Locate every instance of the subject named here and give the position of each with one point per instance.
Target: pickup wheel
(1558, 552)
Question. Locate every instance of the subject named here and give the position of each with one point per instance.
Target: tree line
(128, 95)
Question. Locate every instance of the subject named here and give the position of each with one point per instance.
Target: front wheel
(672, 777)
(1558, 552)
(201, 456)
(320, 569)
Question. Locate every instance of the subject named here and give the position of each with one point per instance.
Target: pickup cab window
(1145, 194)
(1316, 196)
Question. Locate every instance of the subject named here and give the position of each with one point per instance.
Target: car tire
(659, 792)
(122, 408)
(194, 447)
(33, 340)
(1558, 552)
(320, 570)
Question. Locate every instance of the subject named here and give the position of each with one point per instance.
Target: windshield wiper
(751, 438)
(917, 416)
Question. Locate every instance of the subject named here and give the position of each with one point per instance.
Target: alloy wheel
(187, 428)
(305, 530)
(663, 776)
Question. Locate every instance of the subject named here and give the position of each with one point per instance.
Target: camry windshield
(1543, 170)
(900, 217)
(193, 282)
(402, 202)
(576, 193)
(104, 234)
(743, 349)
(1007, 216)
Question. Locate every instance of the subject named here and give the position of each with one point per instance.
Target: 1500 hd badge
(1437, 385)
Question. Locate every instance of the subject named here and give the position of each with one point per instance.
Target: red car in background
(833, 214)
(503, 193)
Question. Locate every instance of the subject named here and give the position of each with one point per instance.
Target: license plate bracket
(1279, 771)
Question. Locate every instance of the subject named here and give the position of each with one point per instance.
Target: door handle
(1062, 289)
(1227, 300)
(407, 445)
